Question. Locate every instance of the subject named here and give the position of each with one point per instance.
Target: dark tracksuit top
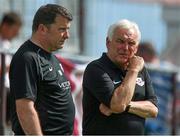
(100, 80)
(37, 75)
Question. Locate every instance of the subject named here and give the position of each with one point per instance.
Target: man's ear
(107, 42)
(42, 29)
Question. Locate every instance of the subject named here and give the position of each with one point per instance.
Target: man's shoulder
(26, 48)
(26, 52)
(95, 63)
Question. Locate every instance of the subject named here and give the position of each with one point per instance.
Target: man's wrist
(134, 70)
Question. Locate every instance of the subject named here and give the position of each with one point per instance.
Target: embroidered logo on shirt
(140, 82)
(50, 69)
(116, 82)
(61, 67)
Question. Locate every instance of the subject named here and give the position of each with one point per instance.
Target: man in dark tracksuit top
(117, 91)
(40, 93)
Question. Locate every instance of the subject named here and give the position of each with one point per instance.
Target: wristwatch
(127, 108)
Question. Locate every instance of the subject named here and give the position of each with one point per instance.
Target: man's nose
(66, 34)
(126, 46)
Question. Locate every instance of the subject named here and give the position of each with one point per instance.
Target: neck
(122, 66)
(38, 43)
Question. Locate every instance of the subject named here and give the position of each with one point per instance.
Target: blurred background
(159, 22)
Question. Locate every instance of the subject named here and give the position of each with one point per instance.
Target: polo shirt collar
(110, 63)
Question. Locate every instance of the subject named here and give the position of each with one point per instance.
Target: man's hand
(136, 63)
(145, 109)
(105, 110)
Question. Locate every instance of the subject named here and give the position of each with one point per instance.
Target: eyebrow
(124, 39)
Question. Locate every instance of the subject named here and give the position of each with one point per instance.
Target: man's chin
(123, 60)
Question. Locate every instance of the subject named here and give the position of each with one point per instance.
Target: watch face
(127, 108)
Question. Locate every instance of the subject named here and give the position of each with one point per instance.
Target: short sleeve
(98, 83)
(23, 77)
(150, 94)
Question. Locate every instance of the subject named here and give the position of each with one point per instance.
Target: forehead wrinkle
(127, 35)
